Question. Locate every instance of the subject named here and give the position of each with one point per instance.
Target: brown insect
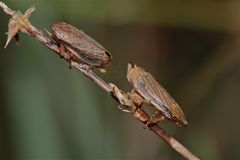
(79, 46)
(154, 94)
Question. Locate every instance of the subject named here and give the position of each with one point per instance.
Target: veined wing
(78, 39)
(152, 91)
(81, 45)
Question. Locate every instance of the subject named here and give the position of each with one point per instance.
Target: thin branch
(6, 9)
(22, 24)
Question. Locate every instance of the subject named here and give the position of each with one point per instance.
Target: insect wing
(91, 49)
(151, 90)
(83, 46)
(86, 43)
(76, 38)
(145, 84)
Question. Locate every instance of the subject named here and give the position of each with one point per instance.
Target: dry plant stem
(140, 114)
(172, 142)
(91, 75)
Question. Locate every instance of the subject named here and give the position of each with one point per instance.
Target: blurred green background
(192, 47)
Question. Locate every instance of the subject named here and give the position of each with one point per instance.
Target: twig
(19, 22)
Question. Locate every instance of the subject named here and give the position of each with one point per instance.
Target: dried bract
(18, 23)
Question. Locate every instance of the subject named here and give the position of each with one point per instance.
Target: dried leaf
(12, 30)
(29, 11)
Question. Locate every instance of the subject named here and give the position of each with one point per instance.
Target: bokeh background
(192, 47)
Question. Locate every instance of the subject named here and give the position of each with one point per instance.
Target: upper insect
(81, 45)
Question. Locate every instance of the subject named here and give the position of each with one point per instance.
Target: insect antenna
(117, 70)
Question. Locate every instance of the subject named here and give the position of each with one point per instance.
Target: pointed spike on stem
(29, 11)
(12, 31)
(49, 33)
(8, 40)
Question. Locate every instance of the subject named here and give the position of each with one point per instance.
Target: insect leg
(156, 118)
(48, 33)
(102, 70)
(63, 52)
(137, 100)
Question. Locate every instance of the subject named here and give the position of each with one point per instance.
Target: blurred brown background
(193, 48)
